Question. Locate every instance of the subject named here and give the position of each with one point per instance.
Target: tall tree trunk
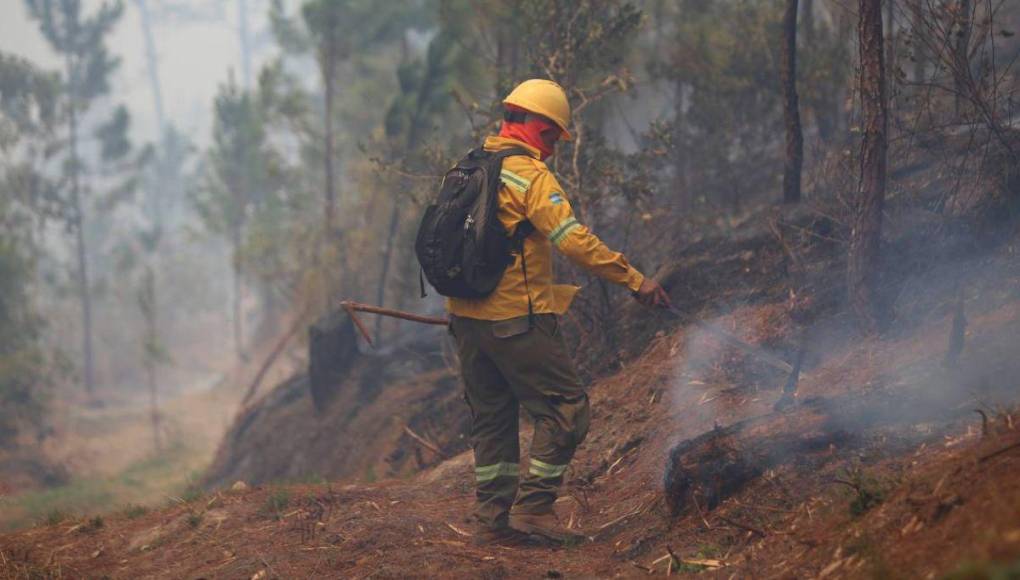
(918, 52)
(155, 198)
(380, 295)
(890, 53)
(154, 414)
(866, 231)
(328, 74)
(808, 23)
(681, 175)
(236, 295)
(152, 356)
(84, 295)
(961, 50)
(242, 28)
(791, 107)
(152, 61)
(387, 258)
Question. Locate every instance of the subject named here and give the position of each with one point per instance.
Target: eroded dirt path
(915, 499)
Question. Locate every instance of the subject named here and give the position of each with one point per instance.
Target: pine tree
(80, 39)
(28, 123)
(791, 106)
(334, 30)
(238, 177)
(866, 230)
(425, 89)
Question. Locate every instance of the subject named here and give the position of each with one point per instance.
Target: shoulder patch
(556, 198)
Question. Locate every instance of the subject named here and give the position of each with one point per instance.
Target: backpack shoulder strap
(501, 155)
(524, 228)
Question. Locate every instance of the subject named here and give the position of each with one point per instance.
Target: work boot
(546, 526)
(502, 536)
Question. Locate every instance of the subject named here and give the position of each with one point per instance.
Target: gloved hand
(652, 294)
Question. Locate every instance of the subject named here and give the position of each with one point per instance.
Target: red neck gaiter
(529, 132)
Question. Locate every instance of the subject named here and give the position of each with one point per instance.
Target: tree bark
(152, 358)
(681, 186)
(394, 227)
(808, 22)
(236, 294)
(866, 230)
(961, 50)
(919, 53)
(791, 107)
(84, 296)
(328, 74)
(890, 50)
(386, 259)
(153, 65)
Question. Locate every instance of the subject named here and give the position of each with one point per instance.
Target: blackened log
(707, 469)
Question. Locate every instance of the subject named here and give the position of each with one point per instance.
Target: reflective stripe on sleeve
(546, 470)
(490, 472)
(513, 180)
(559, 232)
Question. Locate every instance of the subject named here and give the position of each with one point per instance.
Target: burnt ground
(921, 497)
(919, 487)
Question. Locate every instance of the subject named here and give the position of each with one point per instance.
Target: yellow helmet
(545, 98)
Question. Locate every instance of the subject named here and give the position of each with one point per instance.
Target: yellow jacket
(530, 191)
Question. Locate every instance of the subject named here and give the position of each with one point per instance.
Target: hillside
(910, 481)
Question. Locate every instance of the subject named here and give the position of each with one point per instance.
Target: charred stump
(706, 470)
(332, 348)
(703, 471)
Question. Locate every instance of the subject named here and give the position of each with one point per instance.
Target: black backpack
(461, 245)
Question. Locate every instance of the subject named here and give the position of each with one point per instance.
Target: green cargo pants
(505, 366)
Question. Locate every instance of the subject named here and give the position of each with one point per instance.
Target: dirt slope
(936, 494)
(364, 427)
(919, 493)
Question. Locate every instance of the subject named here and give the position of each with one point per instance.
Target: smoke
(950, 350)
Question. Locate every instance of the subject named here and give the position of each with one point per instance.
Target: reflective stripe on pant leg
(489, 472)
(546, 470)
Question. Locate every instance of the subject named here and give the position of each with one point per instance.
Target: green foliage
(28, 100)
(56, 516)
(192, 493)
(134, 511)
(240, 173)
(868, 491)
(70, 32)
(82, 201)
(171, 473)
(93, 524)
(986, 571)
(275, 503)
(194, 520)
(23, 362)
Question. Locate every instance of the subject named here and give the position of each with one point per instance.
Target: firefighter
(512, 358)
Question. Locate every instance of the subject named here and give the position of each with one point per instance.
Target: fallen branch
(618, 520)
(1005, 449)
(298, 324)
(424, 442)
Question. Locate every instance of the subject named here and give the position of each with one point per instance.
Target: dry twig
(742, 526)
